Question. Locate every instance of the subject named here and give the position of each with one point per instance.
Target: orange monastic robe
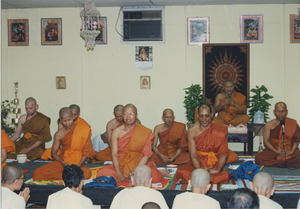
(229, 114)
(75, 144)
(214, 142)
(170, 140)
(7, 144)
(82, 121)
(292, 135)
(134, 145)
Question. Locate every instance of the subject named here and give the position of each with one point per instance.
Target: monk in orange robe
(76, 148)
(231, 106)
(130, 147)
(76, 113)
(6, 146)
(208, 149)
(172, 137)
(271, 155)
(105, 154)
(36, 129)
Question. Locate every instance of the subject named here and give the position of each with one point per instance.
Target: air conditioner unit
(142, 24)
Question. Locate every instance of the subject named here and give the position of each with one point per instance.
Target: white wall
(98, 80)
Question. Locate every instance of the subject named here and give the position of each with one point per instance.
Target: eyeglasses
(23, 178)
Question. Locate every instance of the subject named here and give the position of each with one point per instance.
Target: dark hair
(72, 176)
(151, 205)
(242, 199)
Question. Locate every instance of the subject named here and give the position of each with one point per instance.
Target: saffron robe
(292, 135)
(35, 129)
(7, 144)
(82, 121)
(213, 141)
(170, 140)
(229, 114)
(75, 144)
(132, 146)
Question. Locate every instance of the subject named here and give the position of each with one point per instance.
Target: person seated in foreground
(141, 193)
(172, 137)
(71, 196)
(130, 147)
(200, 183)
(243, 198)
(76, 113)
(151, 205)
(263, 186)
(208, 149)
(271, 155)
(100, 142)
(6, 146)
(36, 129)
(105, 154)
(231, 106)
(76, 148)
(12, 180)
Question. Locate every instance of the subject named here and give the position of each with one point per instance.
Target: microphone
(229, 96)
(282, 123)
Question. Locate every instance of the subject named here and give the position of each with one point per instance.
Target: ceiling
(22, 4)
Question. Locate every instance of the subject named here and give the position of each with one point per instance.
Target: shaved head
(132, 106)
(228, 81)
(280, 104)
(168, 110)
(10, 173)
(263, 183)
(65, 111)
(142, 174)
(205, 106)
(200, 179)
(119, 108)
(74, 107)
(29, 100)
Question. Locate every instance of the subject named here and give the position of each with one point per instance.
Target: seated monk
(208, 149)
(36, 130)
(231, 106)
(130, 147)
(271, 155)
(105, 154)
(172, 137)
(6, 146)
(76, 113)
(76, 148)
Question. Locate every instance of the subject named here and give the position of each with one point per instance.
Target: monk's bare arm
(239, 107)
(114, 154)
(221, 163)
(192, 149)
(35, 145)
(154, 145)
(294, 147)
(266, 139)
(218, 104)
(19, 128)
(57, 138)
(3, 155)
(143, 160)
(109, 131)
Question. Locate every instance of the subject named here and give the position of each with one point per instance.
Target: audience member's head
(150, 205)
(263, 184)
(12, 177)
(243, 199)
(200, 181)
(142, 176)
(73, 177)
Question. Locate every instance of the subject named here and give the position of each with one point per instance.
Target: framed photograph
(61, 82)
(198, 30)
(102, 37)
(295, 28)
(51, 31)
(18, 32)
(251, 29)
(145, 82)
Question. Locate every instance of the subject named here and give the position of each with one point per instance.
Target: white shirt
(192, 200)
(98, 143)
(68, 198)
(267, 203)
(12, 200)
(136, 197)
(298, 204)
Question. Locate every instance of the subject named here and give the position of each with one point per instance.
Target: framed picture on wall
(295, 28)
(145, 82)
(102, 37)
(18, 32)
(51, 31)
(198, 30)
(251, 29)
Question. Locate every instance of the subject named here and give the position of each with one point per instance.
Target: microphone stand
(281, 165)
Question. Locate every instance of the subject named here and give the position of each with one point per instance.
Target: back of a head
(72, 176)
(200, 179)
(74, 107)
(65, 111)
(142, 175)
(119, 108)
(243, 199)
(29, 100)
(150, 205)
(263, 183)
(10, 173)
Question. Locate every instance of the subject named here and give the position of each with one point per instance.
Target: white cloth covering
(266, 203)
(194, 200)
(11, 200)
(136, 197)
(68, 198)
(98, 143)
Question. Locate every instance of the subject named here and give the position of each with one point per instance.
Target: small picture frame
(294, 28)
(102, 37)
(18, 32)
(61, 82)
(198, 30)
(51, 31)
(251, 29)
(145, 82)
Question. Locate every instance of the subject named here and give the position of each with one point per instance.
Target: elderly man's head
(243, 199)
